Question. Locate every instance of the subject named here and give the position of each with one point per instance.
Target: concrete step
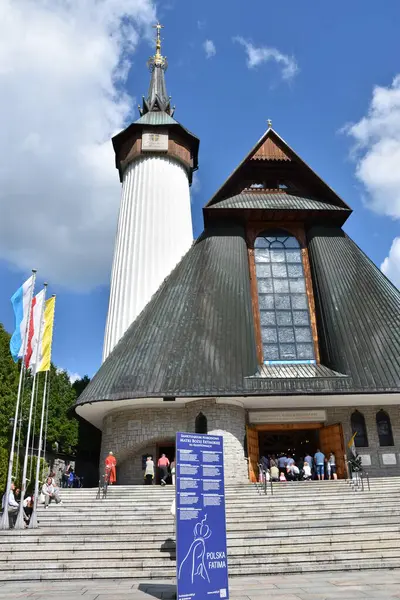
(126, 542)
(165, 562)
(167, 550)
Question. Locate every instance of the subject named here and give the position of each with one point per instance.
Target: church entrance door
(167, 448)
(331, 440)
(296, 439)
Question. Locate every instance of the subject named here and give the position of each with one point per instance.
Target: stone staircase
(303, 527)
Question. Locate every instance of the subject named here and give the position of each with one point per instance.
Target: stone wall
(375, 454)
(134, 432)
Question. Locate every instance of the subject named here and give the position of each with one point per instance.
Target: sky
(72, 74)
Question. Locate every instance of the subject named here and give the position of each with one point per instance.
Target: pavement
(353, 585)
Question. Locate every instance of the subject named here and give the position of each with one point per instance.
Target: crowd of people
(284, 467)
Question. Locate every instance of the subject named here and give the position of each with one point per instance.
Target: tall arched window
(201, 423)
(384, 427)
(358, 426)
(284, 312)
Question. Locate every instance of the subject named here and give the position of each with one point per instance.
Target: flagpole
(46, 418)
(35, 407)
(33, 523)
(20, 524)
(33, 519)
(5, 522)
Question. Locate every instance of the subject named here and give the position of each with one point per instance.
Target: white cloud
(209, 48)
(62, 68)
(72, 376)
(391, 265)
(263, 54)
(377, 150)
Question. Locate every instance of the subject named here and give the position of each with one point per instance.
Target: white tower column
(154, 232)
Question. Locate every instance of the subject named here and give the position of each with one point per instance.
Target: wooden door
(331, 439)
(253, 453)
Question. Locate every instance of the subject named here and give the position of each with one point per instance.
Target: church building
(272, 329)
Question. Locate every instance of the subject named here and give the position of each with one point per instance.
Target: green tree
(9, 376)
(62, 427)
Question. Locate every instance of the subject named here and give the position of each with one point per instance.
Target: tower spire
(157, 97)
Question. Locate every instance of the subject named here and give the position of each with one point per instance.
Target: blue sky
(313, 70)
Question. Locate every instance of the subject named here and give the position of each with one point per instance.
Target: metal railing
(358, 480)
(263, 481)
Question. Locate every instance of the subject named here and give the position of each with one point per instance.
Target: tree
(62, 427)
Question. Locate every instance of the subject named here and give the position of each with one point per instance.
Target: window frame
(360, 416)
(263, 230)
(389, 435)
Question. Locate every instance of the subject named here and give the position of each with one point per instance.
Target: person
(28, 507)
(173, 471)
(309, 460)
(327, 469)
(307, 471)
(65, 475)
(282, 476)
(163, 464)
(12, 504)
(332, 462)
(290, 461)
(289, 473)
(50, 493)
(149, 471)
(295, 472)
(110, 464)
(274, 472)
(265, 462)
(282, 460)
(71, 478)
(319, 458)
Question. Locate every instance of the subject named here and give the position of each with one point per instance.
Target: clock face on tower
(155, 141)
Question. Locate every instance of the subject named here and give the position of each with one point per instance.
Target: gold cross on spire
(158, 38)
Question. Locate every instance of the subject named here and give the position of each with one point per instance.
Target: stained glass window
(284, 313)
(384, 427)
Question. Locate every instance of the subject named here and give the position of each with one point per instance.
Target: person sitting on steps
(50, 493)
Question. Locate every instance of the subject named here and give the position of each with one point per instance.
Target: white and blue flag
(20, 301)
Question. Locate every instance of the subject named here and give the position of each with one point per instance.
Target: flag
(35, 330)
(351, 445)
(20, 301)
(47, 337)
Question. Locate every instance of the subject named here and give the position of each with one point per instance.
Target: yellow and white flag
(47, 337)
(351, 445)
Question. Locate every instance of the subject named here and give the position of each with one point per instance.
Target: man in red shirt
(163, 464)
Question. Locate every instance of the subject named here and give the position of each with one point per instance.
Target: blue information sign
(201, 558)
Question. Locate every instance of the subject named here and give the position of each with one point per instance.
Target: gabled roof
(272, 149)
(196, 336)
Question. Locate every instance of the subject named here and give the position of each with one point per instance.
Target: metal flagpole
(47, 417)
(19, 524)
(35, 407)
(33, 520)
(5, 522)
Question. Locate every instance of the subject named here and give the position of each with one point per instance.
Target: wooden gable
(272, 165)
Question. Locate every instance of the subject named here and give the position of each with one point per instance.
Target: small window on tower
(282, 298)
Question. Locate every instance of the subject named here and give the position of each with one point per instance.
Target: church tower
(155, 157)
